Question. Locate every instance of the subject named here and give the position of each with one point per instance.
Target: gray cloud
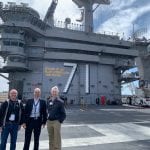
(123, 20)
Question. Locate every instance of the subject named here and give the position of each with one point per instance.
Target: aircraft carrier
(44, 53)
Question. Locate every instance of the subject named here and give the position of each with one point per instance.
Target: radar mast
(88, 11)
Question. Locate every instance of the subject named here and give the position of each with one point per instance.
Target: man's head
(54, 91)
(13, 94)
(37, 93)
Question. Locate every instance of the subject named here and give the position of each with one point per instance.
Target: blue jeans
(12, 129)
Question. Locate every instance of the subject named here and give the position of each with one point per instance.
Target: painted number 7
(71, 75)
(74, 68)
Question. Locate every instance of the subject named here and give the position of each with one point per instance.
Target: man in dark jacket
(35, 118)
(56, 116)
(11, 116)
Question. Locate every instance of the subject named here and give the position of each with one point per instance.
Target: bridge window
(6, 43)
(14, 43)
(17, 59)
(21, 44)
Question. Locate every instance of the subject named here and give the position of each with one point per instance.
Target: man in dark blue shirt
(56, 116)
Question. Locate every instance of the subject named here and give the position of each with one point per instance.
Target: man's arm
(25, 117)
(44, 113)
(22, 119)
(2, 113)
(62, 113)
(26, 112)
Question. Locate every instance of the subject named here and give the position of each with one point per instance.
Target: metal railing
(121, 35)
(80, 27)
(71, 26)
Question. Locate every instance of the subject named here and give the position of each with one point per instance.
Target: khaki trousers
(54, 132)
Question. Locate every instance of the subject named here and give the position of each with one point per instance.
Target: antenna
(49, 17)
(138, 33)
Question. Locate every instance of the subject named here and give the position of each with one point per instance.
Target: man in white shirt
(35, 117)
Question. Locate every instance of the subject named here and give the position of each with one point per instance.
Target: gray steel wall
(103, 80)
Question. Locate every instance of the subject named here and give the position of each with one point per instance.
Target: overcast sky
(118, 17)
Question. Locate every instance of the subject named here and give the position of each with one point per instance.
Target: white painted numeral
(87, 79)
(70, 76)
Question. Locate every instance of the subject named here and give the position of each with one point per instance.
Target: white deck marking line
(114, 133)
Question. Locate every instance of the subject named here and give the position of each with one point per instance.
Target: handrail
(80, 27)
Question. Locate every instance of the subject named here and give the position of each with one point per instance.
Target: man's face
(13, 95)
(37, 93)
(54, 93)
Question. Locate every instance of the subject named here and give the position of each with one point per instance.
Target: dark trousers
(35, 127)
(12, 129)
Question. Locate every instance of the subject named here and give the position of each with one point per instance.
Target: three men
(35, 118)
(56, 116)
(11, 116)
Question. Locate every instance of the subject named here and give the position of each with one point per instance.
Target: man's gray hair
(55, 88)
(37, 89)
(13, 90)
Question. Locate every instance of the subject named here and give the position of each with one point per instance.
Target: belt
(11, 122)
(34, 118)
(53, 119)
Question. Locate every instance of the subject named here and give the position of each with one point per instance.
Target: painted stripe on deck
(114, 133)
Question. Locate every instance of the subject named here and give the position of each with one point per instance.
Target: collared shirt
(53, 98)
(35, 109)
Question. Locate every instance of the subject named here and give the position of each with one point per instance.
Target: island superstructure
(43, 53)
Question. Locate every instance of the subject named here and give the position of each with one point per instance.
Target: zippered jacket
(10, 107)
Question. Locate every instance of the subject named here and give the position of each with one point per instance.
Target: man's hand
(43, 125)
(24, 126)
(0, 129)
